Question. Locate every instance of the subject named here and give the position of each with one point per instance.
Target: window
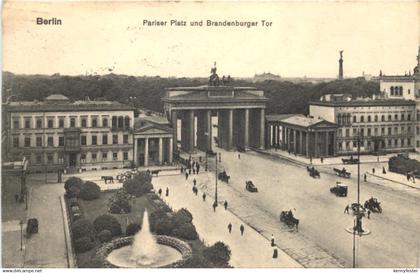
(339, 132)
(362, 132)
(125, 139)
(38, 159)
(27, 141)
(408, 116)
(376, 118)
(16, 142)
(392, 90)
(395, 117)
(375, 131)
(402, 117)
(354, 131)
(389, 118)
(354, 119)
(50, 158)
(408, 141)
(83, 157)
(402, 142)
(354, 144)
(382, 131)
(389, 142)
(340, 146)
(84, 123)
(38, 141)
(362, 119)
(126, 122)
(72, 122)
(27, 123)
(418, 144)
(114, 139)
(104, 139)
(104, 122)
(39, 123)
(408, 129)
(125, 155)
(115, 156)
(61, 123)
(396, 142)
(396, 130)
(120, 122)
(94, 122)
(114, 122)
(369, 119)
(389, 131)
(61, 141)
(347, 145)
(382, 118)
(83, 140)
(50, 123)
(50, 141)
(16, 124)
(60, 159)
(93, 156)
(94, 140)
(104, 156)
(368, 131)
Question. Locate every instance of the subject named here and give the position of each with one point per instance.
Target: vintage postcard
(228, 134)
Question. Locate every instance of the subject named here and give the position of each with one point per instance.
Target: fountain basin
(174, 253)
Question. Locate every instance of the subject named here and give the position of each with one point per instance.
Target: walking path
(248, 251)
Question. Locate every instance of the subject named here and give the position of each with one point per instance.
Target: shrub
(155, 217)
(401, 164)
(89, 191)
(72, 186)
(120, 202)
(104, 236)
(108, 222)
(132, 229)
(139, 184)
(219, 254)
(83, 244)
(182, 216)
(185, 231)
(82, 228)
(164, 226)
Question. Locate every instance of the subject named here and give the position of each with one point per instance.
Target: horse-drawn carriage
(313, 172)
(107, 178)
(350, 160)
(342, 173)
(32, 226)
(224, 177)
(249, 186)
(339, 189)
(373, 205)
(288, 218)
(152, 172)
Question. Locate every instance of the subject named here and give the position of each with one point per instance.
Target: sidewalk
(326, 161)
(249, 251)
(396, 178)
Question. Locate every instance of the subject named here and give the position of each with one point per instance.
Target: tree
(108, 222)
(139, 184)
(82, 228)
(89, 191)
(219, 254)
(120, 202)
(73, 186)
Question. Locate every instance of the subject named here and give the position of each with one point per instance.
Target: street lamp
(21, 234)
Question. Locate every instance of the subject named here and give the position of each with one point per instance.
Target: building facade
(60, 134)
(384, 125)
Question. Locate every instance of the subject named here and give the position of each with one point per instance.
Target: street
(393, 242)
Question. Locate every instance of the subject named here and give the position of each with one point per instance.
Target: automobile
(249, 186)
(339, 189)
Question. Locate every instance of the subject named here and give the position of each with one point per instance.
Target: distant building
(265, 77)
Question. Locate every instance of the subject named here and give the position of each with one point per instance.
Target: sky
(304, 38)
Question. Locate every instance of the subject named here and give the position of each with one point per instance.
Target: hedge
(108, 222)
(89, 191)
(83, 244)
(219, 254)
(185, 231)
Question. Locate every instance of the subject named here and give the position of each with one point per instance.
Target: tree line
(146, 92)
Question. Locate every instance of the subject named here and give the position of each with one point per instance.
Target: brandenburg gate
(240, 113)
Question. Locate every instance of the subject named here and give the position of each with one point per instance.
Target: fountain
(144, 249)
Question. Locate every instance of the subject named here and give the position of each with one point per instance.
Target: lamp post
(215, 194)
(21, 234)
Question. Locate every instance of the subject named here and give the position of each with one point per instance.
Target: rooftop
(210, 88)
(366, 102)
(300, 120)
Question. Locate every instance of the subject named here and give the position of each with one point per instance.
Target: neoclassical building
(57, 133)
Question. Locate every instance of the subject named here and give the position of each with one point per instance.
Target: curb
(71, 262)
(394, 181)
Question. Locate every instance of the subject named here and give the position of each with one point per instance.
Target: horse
(107, 178)
(155, 172)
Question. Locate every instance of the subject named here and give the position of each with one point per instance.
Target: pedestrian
(160, 192)
(275, 253)
(204, 196)
(322, 159)
(346, 210)
(167, 191)
(16, 197)
(230, 227)
(198, 168)
(239, 156)
(383, 170)
(368, 213)
(214, 206)
(365, 177)
(272, 240)
(373, 170)
(225, 204)
(193, 170)
(408, 176)
(186, 176)
(189, 171)
(195, 182)
(242, 229)
(182, 169)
